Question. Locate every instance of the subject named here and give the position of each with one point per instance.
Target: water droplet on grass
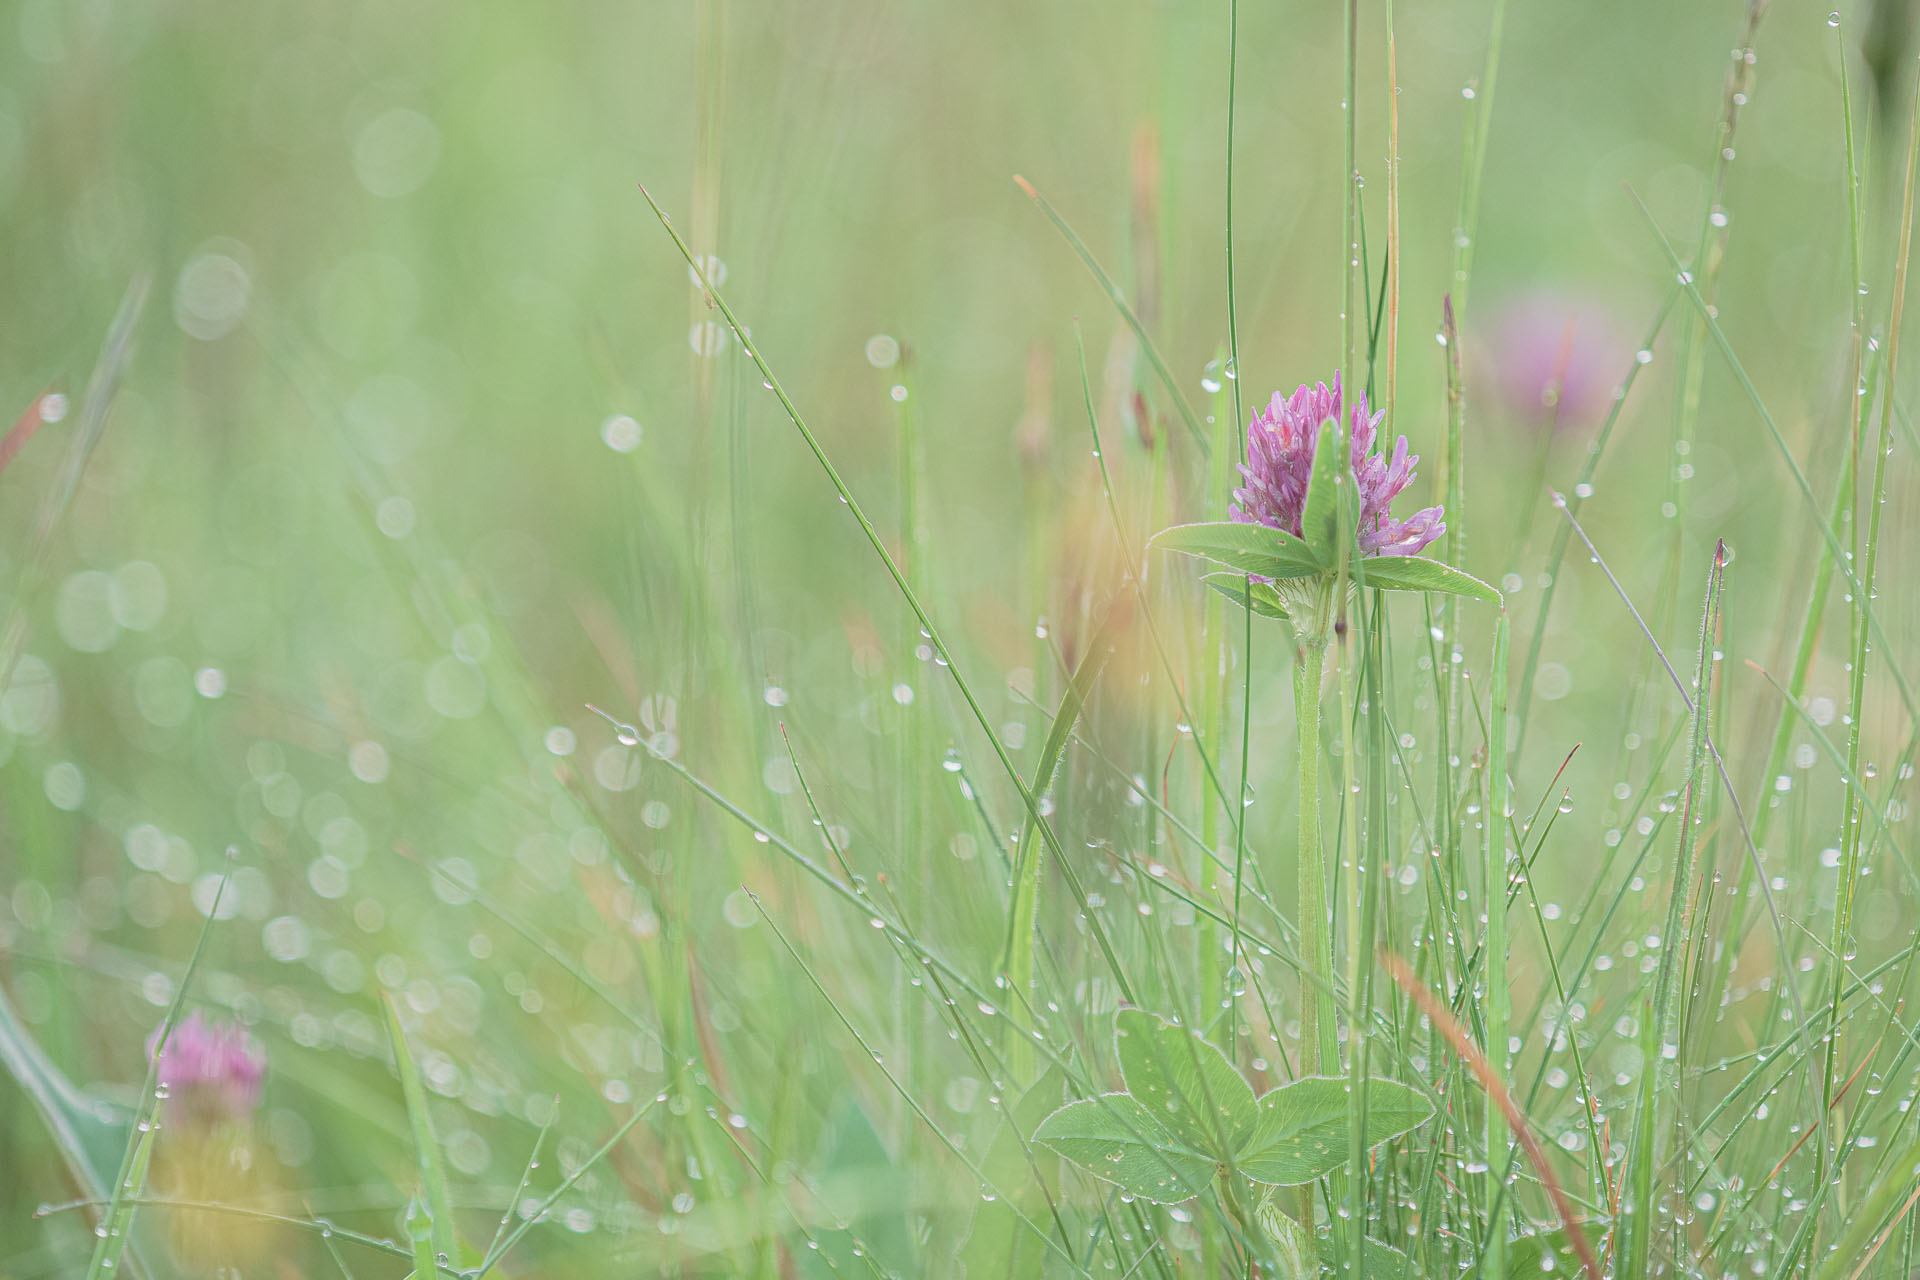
(621, 433)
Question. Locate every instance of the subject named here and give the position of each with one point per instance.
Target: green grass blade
(111, 1235)
(1119, 299)
(1576, 495)
(102, 386)
(419, 1225)
(1023, 908)
(504, 1247)
(1850, 864)
(1474, 161)
(1318, 1046)
(934, 635)
(918, 1109)
(1661, 1069)
(494, 1249)
(89, 1133)
(1799, 1015)
(328, 1232)
(1267, 603)
(1499, 996)
(1842, 559)
(438, 1203)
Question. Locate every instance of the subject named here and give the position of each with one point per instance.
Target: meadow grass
(731, 843)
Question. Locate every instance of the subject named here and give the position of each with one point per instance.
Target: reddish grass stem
(1444, 1022)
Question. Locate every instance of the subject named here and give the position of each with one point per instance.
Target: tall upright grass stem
(1317, 1033)
(934, 634)
(1841, 944)
(1499, 997)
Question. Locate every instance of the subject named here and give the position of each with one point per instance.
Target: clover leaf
(1188, 1114)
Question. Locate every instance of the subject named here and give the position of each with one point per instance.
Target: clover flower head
(1279, 465)
(1554, 359)
(211, 1071)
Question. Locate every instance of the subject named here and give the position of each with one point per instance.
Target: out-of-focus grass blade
(1473, 158)
(913, 1103)
(329, 1233)
(1842, 560)
(426, 1152)
(1377, 1261)
(1840, 944)
(420, 1226)
(992, 1247)
(934, 634)
(1795, 1007)
(1562, 535)
(90, 1133)
(501, 1249)
(1499, 998)
(526, 1176)
(1112, 291)
(333, 1251)
(24, 429)
(1795, 714)
(1809, 643)
(1713, 752)
(1455, 1035)
(130, 1181)
(855, 1154)
(1852, 1254)
(1023, 908)
(871, 910)
(1256, 597)
(1850, 870)
(1653, 1119)
(101, 386)
(111, 1243)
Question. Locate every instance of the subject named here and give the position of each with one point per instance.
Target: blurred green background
(429, 214)
(428, 441)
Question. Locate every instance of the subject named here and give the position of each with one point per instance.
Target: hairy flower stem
(1317, 1042)
(1237, 1210)
(1274, 1246)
